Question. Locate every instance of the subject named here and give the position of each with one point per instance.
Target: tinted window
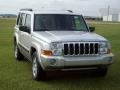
(59, 22)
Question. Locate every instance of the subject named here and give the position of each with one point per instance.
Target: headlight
(105, 48)
(56, 48)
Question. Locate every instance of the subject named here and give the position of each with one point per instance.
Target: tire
(17, 53)
(102, 72)
(37, 72)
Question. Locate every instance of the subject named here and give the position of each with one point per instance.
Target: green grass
(16, 75)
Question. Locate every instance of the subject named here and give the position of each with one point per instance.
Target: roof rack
(26, 9)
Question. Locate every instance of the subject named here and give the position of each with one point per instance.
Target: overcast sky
(86, 7)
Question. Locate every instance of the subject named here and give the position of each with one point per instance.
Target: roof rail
(26, 9)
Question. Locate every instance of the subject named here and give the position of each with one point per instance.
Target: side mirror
(92, 29)
(24, 29)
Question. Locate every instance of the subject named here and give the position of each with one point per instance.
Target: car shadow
(75, 75)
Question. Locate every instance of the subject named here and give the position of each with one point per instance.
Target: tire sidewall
(34, 57)
(40, 73)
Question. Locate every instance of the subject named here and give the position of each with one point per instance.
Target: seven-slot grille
(81, 49)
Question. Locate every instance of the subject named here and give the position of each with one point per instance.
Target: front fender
(37, 47)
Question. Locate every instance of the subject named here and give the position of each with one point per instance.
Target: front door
(25, 37)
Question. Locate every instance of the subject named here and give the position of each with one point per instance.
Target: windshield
(59, 22)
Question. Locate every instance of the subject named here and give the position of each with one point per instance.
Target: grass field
(16, 75)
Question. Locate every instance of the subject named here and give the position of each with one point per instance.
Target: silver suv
(59, 40)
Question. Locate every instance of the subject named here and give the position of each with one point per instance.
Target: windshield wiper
(43, 29)
(71, 28)
(83, 30)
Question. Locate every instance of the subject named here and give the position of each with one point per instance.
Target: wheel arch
(35, 47)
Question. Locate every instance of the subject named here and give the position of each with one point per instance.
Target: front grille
(81, 48)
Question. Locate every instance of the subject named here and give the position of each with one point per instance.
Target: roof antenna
(70, 11)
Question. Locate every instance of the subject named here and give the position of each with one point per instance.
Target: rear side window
(18, 19)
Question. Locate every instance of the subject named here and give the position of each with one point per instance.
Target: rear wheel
(37, 72)
(17, 53)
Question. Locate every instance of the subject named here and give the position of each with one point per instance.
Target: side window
(28, 21)
(22, 19)
(18, 19)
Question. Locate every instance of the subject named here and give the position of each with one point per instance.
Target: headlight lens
(56, 48)
(104, 47)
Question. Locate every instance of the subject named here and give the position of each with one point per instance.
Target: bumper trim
(75, 62)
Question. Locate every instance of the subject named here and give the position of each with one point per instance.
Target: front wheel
(37, 72)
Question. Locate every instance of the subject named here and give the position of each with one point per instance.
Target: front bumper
(60, 62)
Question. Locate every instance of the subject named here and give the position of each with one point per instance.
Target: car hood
(59, 36)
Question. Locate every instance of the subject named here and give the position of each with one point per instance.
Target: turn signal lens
(47, 53)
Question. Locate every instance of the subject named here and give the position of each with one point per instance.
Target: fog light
(52, 61)
(110, 60)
